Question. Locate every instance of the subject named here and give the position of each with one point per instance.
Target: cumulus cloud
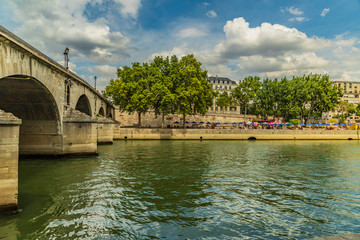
(272, 50)
(324, 12)
(191, 32)
(54, 25)
(266, 40)
(211, 14)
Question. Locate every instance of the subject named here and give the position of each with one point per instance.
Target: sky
(231, 38)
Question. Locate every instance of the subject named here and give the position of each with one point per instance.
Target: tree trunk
(245, 115)
(184, 121)
(139, 119)
(162, 120)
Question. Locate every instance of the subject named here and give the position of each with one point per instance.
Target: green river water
(191, 190)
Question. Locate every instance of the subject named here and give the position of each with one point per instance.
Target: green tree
(224, 100)
(194, 94)
(162, 94)
(131, 91)
(267, 98)
(321, 95)
(245, 92)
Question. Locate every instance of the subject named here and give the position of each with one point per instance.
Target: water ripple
(192, 190)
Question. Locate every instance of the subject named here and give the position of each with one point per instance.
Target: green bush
(294, 121)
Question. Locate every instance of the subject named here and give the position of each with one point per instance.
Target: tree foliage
(300, 98)
(246, 92)
(166, 85)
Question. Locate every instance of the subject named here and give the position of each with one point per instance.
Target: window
(225, 108)
(351, 96)
(234, 108)
(220, 87)
(212, 108)
(216, 108)
(230, 87)
(225, 87)
(221, 108)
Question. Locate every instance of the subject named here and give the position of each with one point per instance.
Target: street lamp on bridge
(66, 56)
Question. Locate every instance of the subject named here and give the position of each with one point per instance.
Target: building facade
(222, 85)
(351, 91)
(351, 94)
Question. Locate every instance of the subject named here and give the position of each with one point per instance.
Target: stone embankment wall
(150, 119)
(235, 134)
(9, 153)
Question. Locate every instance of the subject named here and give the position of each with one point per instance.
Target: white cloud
(54, 25)
(179, 51)
(191, 32)
(72, 66)
(295, 11)
(129, 7)
(103, 75)
(275, 51)
(104, 70)
(288, 62)
(324, 12)
(211, 14)
(298, 19)
(266, 40)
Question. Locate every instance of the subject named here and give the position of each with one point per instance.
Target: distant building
(351, 94)
(350, 90)
(221, 85)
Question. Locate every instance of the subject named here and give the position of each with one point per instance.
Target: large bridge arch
(31, 101)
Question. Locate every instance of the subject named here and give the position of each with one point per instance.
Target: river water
(191, 190)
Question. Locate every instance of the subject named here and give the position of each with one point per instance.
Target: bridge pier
(105, 130)
(9, 153)
(79, 133)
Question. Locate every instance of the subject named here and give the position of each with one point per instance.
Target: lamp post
(66, 56)
(95, 82)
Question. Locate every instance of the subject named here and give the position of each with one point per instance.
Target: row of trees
(299, 98)
(166, 85)
(169, 85)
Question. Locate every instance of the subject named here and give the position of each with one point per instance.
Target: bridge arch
(101, 112)
(83, 105)
(31, 101)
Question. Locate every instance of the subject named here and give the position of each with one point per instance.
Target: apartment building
(221, 85)
(351, 91)
(351, 94)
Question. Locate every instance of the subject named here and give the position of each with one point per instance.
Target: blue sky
(232, 38)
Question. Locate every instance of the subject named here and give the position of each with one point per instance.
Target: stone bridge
(58, 112)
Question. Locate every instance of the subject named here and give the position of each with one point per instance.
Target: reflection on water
(192, 190)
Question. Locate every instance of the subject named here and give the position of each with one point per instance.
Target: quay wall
(234, 134)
